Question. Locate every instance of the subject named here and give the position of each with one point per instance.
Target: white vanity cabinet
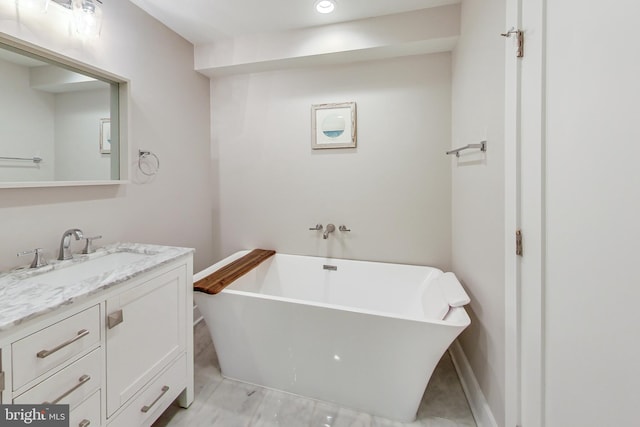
(118, 356)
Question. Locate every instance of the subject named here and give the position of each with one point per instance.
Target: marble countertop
(23, 297)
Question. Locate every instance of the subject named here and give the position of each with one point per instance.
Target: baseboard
(477, 402)
(197, 317)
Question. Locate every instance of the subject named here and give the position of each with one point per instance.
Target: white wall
(478, 192)
(77, 133)
(592, 210)
(169, 114)
(26, 126)
(393, 190)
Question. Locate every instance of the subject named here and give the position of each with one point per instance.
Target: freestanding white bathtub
(364, 335)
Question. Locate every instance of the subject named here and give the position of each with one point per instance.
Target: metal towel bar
(34, 159)
(482, 145)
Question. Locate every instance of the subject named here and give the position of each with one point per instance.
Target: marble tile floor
(220, 402)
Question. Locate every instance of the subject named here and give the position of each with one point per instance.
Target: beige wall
(393, 191)
(169, 116)
(478, 192)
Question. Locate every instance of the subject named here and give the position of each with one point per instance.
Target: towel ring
(151, 160)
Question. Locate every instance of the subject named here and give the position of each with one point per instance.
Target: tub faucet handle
(318, 227)
(344, 228)
(38, 259)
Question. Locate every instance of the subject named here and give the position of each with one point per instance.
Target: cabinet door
(2, 378)
(145, 332)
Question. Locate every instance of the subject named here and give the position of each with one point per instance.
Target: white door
(580, 202)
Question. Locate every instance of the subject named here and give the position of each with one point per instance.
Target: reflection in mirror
(52, 122)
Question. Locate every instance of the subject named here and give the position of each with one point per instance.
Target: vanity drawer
(70, 386)
(53, 345)
(87, 414)
(147, 406)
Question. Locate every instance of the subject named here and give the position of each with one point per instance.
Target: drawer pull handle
(146, 408)
(84, 423)
(45, 353)
(82, 380)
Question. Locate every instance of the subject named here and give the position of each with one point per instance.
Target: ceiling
(207, 21)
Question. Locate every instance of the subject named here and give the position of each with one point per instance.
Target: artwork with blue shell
(333, 125)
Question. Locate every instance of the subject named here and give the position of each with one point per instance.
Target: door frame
(525, 127)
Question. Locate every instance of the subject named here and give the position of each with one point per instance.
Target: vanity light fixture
(325, 6)
(35, 5)
(64, 3)
(87, 15)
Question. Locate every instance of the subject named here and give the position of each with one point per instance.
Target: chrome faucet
(65, 243)
(330, 229)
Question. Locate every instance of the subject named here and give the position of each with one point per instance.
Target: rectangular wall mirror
(62, 123)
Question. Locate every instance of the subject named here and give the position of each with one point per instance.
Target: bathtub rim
(234, 256)
(449, 319)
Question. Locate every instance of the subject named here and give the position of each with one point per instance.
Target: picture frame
(333, 126)
(105, 136)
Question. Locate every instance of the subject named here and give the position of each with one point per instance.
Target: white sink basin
(92, 267)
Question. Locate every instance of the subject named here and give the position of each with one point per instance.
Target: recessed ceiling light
(325, 6)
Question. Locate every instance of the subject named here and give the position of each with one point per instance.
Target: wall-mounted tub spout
(330, 229)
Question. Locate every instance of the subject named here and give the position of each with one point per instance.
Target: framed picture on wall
(333, 125)
(105, 136)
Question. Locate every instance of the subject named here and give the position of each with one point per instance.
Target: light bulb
(36, 5)
(88, 17)
(325, 6)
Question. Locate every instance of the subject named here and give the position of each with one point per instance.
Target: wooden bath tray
(223, 277)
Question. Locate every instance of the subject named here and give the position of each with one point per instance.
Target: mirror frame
(122, 119)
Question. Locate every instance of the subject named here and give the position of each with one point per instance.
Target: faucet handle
(38, 259)
(88, 249)
(344, 228)
(318, 227)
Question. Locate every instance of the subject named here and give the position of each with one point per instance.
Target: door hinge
(519, 39)
(519, 242)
